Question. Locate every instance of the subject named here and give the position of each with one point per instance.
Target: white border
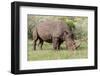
(25, 65)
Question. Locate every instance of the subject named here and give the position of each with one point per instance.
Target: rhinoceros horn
(77, 45)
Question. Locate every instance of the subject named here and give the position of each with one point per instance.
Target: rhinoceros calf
(54, 32)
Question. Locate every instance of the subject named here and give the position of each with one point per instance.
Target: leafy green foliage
(77, 24)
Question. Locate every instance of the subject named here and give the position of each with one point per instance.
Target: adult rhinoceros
(54, 32)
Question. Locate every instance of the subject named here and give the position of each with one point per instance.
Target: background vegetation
(78, 25)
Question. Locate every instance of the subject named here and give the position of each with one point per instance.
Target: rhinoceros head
(70, 41)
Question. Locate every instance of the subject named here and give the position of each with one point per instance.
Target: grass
(49, 54)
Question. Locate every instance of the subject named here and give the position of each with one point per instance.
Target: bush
(77, 24)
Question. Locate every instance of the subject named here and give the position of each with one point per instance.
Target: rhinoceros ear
(65, 35)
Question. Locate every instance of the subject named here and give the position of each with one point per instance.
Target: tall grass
(49, 54)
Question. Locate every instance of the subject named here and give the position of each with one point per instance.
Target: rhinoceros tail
(35, 34)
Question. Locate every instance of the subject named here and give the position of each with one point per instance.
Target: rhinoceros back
(49, 29)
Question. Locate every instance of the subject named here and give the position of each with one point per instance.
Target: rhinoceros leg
(59, 44)
(40, 43)
(34, 43)
(35, 38)
(55, 43)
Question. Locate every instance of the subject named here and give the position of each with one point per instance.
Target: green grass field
(49, 54)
